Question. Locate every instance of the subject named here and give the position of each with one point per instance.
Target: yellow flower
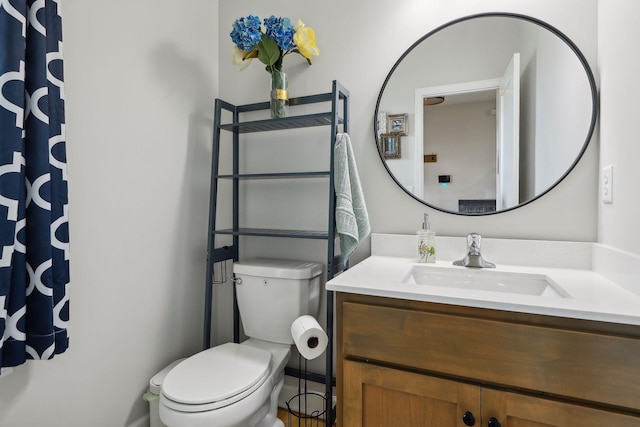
(305, 39)
(242, 58)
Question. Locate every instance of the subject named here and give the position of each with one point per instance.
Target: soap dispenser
(426, 242)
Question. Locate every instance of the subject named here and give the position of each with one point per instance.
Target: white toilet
(238, 384)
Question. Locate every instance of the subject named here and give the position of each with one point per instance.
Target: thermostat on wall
(444, 179)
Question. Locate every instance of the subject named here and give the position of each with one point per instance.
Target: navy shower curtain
(34, 243)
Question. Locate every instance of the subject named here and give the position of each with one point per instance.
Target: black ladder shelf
(338, 97)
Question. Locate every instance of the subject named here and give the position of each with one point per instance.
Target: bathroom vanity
(412, 363)
(410, 354)
(543, 339)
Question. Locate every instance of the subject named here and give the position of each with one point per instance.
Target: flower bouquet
(270, 46)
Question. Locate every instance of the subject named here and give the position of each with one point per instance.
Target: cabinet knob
(468, 419)
(493, 422)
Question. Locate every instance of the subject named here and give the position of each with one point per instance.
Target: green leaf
(268, 51)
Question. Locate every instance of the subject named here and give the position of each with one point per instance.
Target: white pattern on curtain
(34, 234)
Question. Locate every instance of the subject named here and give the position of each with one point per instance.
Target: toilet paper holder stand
(307, 407)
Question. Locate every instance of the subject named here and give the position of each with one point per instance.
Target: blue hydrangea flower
(246, 32)
(280, 30)
(271, 43)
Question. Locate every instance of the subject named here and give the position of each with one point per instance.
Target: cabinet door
(516, 410)
(376, 396)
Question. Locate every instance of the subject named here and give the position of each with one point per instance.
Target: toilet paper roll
(309, 337)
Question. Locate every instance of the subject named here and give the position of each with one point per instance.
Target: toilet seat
(216, 377)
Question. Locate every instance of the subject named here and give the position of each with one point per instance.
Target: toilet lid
(217, 374)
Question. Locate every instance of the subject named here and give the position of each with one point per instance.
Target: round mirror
(485, 114)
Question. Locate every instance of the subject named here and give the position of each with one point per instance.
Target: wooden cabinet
(409, 363)
(521, 410)
(377, 396)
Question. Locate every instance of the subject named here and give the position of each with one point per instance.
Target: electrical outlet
(607, 184)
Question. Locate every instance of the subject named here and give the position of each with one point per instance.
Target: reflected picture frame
(390, 145)
(397, 123)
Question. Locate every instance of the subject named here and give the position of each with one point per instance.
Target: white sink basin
(485, 280)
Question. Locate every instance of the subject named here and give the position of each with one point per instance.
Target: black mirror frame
(559, 34)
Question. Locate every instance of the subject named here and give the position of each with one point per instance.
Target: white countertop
(591, 296)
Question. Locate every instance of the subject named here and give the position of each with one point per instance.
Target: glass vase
(279, 94)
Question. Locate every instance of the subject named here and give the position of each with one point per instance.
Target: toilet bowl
(229, 385)
(237, 385)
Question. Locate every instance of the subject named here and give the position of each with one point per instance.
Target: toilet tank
(272, 293)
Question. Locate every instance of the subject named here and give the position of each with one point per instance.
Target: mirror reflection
(491, 112)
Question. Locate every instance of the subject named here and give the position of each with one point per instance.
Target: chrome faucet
(473, 257)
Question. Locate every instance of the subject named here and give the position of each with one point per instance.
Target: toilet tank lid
(278, 268)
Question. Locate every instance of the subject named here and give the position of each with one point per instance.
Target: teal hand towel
(352, 219)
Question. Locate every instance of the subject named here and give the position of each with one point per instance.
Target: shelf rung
(277, 175)
(301, 100)
(309, 120)
(268, 232)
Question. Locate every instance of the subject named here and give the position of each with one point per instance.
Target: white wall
(359, 42)
(140, 79)
(618, 34)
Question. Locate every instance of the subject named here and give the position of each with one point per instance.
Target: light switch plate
(607, 184)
